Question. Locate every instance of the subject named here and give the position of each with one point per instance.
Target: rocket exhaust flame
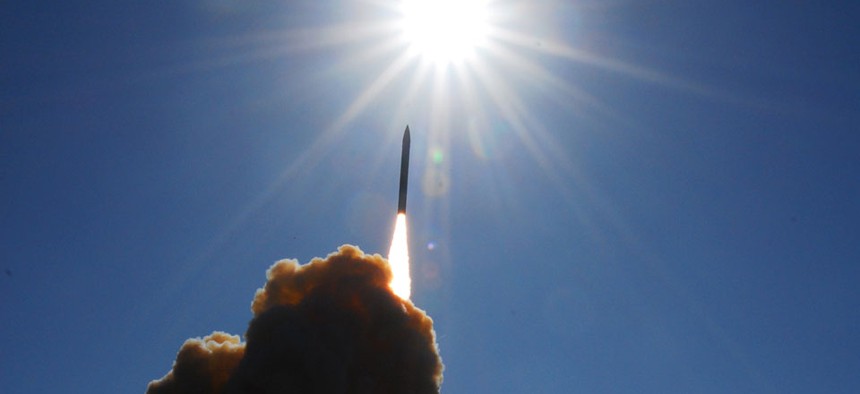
(398, 258)
(398, 255)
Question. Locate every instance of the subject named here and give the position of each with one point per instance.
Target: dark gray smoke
(331, 326)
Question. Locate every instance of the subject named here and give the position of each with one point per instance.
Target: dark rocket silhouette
(404, 172)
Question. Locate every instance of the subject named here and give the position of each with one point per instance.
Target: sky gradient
(611, 197)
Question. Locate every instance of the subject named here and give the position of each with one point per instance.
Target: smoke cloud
(330, 326)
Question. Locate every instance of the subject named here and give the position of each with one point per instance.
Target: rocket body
(404, 172)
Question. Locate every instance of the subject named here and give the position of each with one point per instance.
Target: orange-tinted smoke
(331, 326)
(202, 365)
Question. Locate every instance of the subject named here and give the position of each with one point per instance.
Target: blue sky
(631, 196)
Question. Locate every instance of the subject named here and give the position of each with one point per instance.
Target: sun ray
(368, 55)
(373, 90)
(511, 108)
(312, 38)
(553, 48)
(536, 74)
(418, 80)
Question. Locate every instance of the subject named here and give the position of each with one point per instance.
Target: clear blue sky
(616, 197)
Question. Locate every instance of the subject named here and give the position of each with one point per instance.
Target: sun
(444, 31)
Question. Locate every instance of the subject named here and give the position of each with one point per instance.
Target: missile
(404, 172)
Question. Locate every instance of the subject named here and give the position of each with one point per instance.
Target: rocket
(404, 173)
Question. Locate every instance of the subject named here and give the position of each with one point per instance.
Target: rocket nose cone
(406, 134)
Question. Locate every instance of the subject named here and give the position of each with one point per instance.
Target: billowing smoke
(202, 365)
(331, 326)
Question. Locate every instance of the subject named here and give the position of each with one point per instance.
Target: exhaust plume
(398, 257)
(330, 326)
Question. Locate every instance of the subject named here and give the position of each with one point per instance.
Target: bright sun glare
(444, 31)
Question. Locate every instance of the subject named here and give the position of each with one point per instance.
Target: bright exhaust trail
(398, 258)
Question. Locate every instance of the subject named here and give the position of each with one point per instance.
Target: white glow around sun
(444, 31)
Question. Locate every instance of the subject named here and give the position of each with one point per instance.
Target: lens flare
(398, 257)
